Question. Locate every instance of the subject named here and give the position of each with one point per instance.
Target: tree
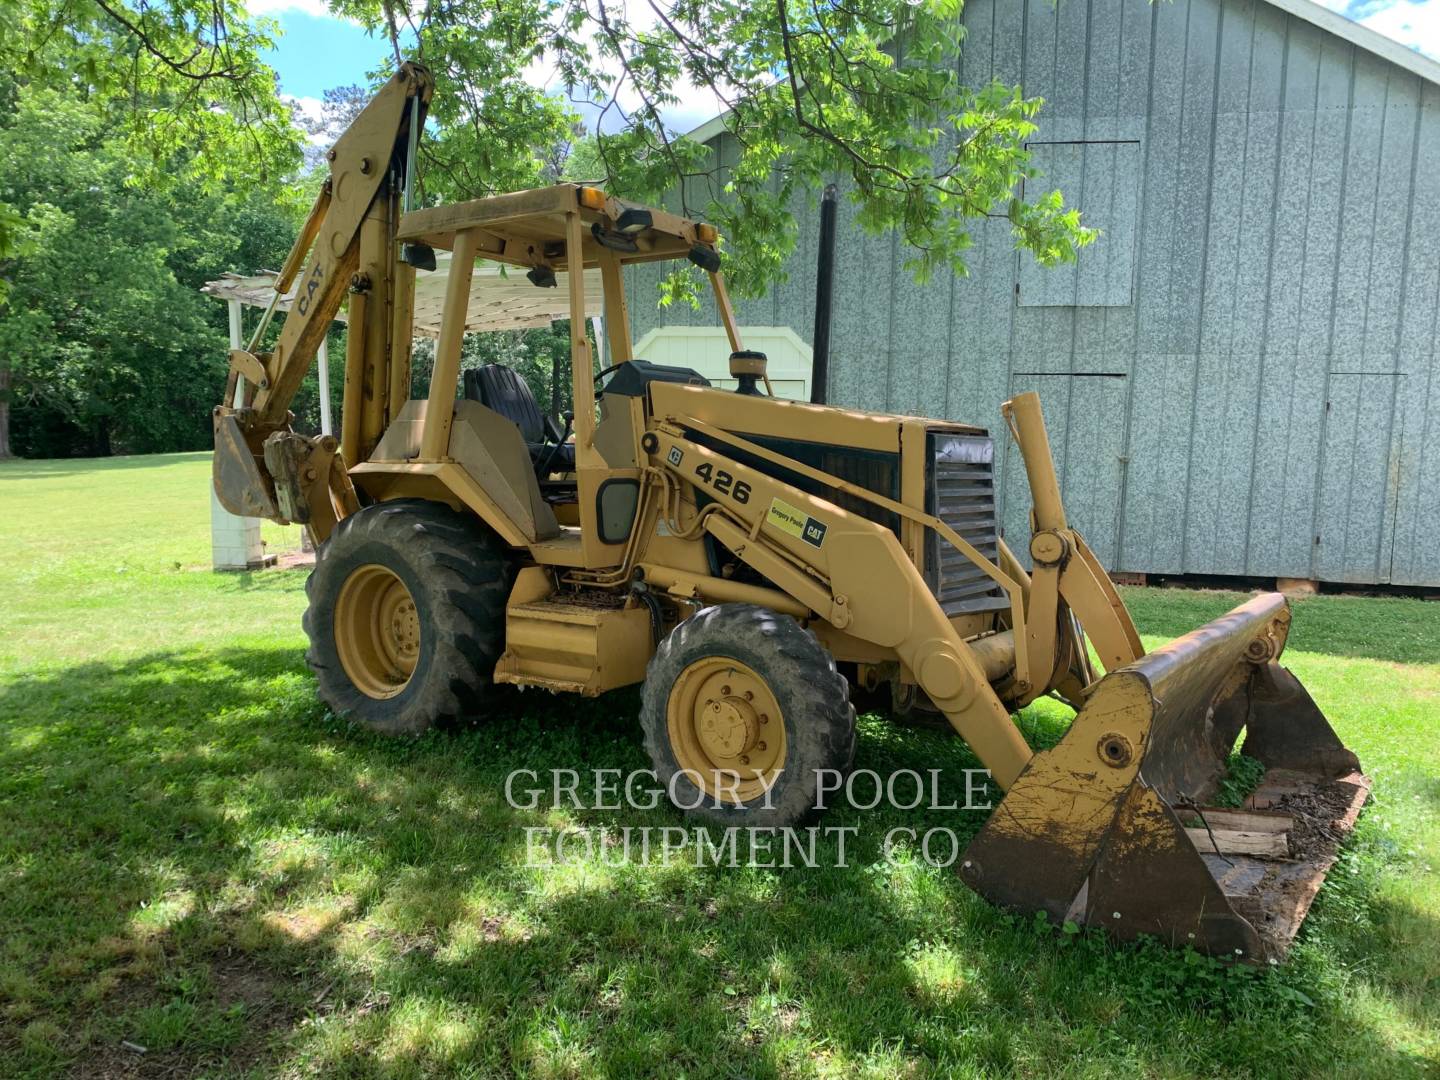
(338, 110)
(12, 244)
(105, 341)
(178, 73)
(582, 162)
(860, 91)
(865, 91)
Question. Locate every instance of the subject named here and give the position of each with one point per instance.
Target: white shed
(705, 349)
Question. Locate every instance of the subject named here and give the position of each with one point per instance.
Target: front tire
(742, 710)
(407, 615)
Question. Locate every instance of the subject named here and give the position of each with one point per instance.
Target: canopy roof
(500, 298)
(527, 228)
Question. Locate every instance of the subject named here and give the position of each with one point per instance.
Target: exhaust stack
(824, 289)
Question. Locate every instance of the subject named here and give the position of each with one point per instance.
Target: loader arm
(860, 579)
(853, 573)
(347, 245)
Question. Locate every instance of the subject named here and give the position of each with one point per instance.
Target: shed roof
(1362, 37)
(500, 299)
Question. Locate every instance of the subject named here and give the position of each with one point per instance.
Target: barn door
(1085, 419)
(1415, 558)
(1359, 478)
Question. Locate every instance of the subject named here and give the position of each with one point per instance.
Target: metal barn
(1239, 376)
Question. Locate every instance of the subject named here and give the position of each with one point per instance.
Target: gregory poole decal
(796, 522)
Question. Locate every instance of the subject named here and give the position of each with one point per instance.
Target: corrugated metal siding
(1257, 400)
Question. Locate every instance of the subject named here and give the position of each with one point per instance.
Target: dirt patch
(271, 1004)
(294, 560)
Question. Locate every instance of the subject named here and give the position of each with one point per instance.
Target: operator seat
(498, 387)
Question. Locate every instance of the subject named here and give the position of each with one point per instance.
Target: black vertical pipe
(824, 290)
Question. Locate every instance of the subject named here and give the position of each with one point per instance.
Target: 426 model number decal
(723, 482)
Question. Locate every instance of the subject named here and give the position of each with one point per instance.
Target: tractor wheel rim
(726, 729)
(377, 631)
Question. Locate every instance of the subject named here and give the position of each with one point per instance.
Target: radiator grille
(962, 494)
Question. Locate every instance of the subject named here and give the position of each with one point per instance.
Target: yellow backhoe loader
(749, 560)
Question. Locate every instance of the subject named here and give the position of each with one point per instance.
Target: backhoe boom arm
(346, 244)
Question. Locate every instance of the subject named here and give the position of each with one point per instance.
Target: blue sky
(318, 51)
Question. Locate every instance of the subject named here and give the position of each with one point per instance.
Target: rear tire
(407, 615)
(709, 705)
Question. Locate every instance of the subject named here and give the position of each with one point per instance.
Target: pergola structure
(500, 299)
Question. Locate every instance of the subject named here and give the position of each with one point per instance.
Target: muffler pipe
(824, 292)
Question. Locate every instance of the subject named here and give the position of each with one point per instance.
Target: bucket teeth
(1111, 828)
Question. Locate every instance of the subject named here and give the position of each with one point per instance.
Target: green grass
(196, 858)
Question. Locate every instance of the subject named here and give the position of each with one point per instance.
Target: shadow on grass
(201, 861)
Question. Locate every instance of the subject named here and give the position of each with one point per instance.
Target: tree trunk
(5, 452)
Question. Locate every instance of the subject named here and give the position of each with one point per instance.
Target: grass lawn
(197, 859)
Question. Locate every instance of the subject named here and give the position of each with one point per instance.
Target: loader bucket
(1111, 828)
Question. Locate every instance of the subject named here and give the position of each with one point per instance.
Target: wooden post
(440, 412)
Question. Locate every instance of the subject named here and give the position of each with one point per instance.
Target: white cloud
(310, 113)
(1412, 23)
(313, 108)
(317, 8)
(695, 104)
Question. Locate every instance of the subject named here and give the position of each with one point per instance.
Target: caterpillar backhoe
(750, 560)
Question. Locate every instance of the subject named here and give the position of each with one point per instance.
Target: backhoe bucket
(235, 470)
(1111, 828)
